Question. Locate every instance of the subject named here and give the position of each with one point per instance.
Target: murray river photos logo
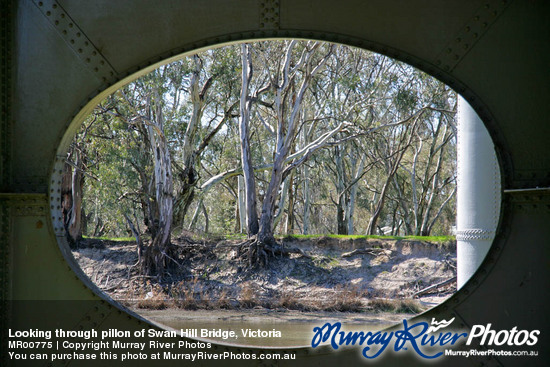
(426, 340)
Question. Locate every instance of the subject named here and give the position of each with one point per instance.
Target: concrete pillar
(478, 192)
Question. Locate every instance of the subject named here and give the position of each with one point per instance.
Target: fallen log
(370, 251)
(433, 287)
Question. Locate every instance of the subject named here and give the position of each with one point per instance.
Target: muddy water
(281, 329)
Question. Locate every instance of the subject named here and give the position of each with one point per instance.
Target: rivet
(48, 13)
(78, 34)
(54, 6)
(70, 25)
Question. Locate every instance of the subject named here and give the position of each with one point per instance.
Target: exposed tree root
(256, 253)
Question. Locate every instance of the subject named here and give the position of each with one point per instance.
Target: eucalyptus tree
(72, 183)
(155, 131)
(286, 84)
(247, 134)
(409, 174)
(211, 103)
(427, 183)
(140, 107)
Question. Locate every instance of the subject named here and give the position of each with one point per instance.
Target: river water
(288, 329)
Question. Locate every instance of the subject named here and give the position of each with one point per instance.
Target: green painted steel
(59, 58)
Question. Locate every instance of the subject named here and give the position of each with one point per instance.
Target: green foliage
(436, 239)
(364, 89)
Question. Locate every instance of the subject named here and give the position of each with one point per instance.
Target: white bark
(242, 205)
(286, 131)
(163, 178)
(281, 204)
(353, 194)
(198, 110)
(307, 201)
(424, 230)
(246, 159)
(195, 217)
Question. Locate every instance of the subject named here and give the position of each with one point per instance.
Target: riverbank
(323, 274)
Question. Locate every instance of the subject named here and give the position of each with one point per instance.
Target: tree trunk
(72, 183)
(206, 220)
(195, 217)
(371, 228)
(342, 226)
(241, 204)
(426, 227)
(353, 193)
(246, 158)
(307, 202)
(156, 255)
(187, 175)
(282, 203)
(265, 234)
(402, 145)
(404, 206)
(290, 213)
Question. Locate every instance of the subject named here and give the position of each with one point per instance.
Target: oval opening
(347, 157)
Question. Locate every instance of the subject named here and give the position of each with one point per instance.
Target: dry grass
(346, 299)
(149, 296)
(409, 306)
(193, 295)
(395, 305)
(223, 301)
(289, 301)
(248, 297)
(154, 303)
